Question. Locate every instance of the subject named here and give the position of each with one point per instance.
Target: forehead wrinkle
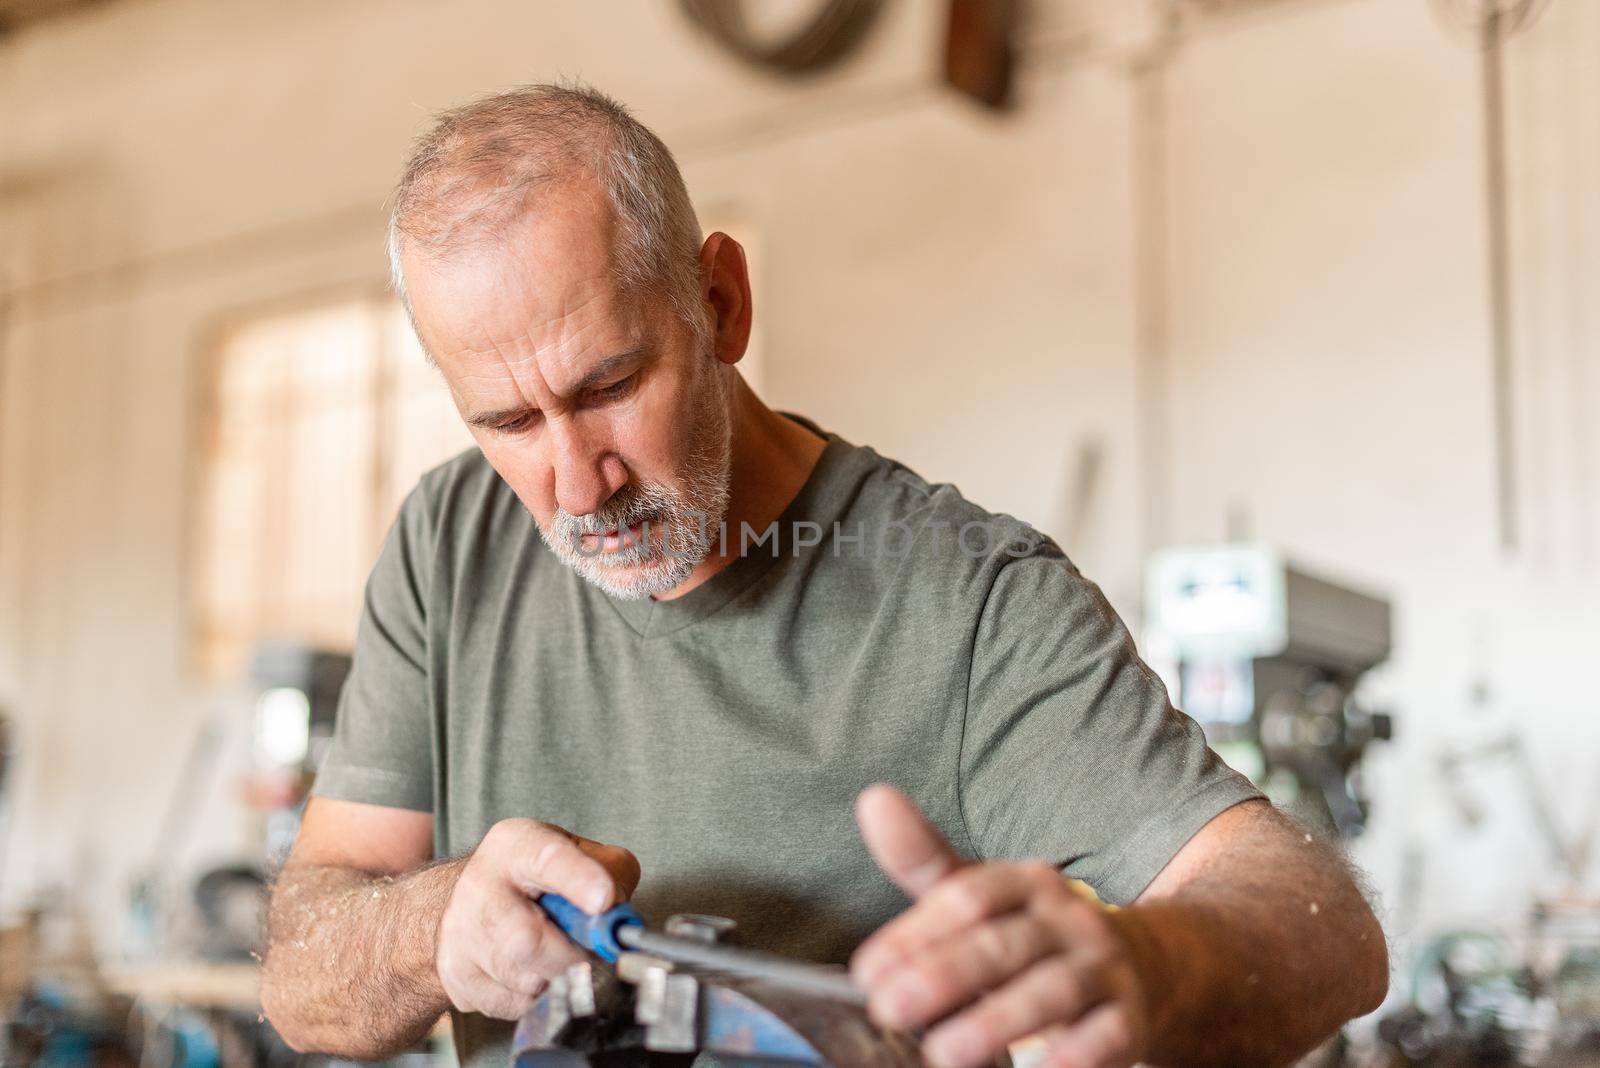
(543, 307)
(513, 363)
(530, 363)
(494, 382)
(497, 350)
(571, 352)
(520, 356)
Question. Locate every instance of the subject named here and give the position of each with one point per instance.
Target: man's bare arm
(349, 968)
(1253, 945)
(369, 943)
(351, 931)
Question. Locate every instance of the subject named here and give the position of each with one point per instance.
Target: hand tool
(621, 928)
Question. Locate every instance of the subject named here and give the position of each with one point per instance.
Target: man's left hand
(990, 953)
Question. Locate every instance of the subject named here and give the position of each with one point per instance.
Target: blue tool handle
(598, 934)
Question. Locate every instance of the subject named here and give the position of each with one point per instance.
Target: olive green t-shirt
(886, 629)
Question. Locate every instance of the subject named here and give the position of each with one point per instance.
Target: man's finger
(1056, 990)
(908, 848)
(480, 993)
(548, 860)
(956, 971)
(967, 898)
(1102, 1039)
(526, 949)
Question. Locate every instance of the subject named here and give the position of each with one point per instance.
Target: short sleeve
(1071, 750)
(382, 751)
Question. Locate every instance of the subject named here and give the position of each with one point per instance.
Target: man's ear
(725, 286)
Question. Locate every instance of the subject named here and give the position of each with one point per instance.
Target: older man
(653, 612)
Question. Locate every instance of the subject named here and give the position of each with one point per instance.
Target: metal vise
(651, 1011)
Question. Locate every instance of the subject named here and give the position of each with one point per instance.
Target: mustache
(627, 507)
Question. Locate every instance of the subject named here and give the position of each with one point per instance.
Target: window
(318, 424)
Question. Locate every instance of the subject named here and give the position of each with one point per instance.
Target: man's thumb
(908, 847)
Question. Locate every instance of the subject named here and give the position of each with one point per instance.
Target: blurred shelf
(198, 984)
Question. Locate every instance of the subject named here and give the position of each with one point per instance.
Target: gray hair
(472, 173)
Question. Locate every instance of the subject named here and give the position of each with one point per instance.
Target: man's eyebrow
(499, 418)
(599, 372)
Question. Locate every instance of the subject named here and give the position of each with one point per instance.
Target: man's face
(603, 410)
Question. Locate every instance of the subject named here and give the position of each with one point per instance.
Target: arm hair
(349, 965)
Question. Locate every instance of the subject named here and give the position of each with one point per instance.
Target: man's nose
(587, 472)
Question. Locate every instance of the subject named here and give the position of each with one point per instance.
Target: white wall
(955, 288)
(1332, 379)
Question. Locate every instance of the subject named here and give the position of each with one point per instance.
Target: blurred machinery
(6, 746)
(1267, 659)
(189, 980)
(1522, 999)
(1516, 994)
(297, 693)
(1572, 852)
(294, 690)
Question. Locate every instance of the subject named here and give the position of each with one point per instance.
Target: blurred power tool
(1267, 659)
(646, 997)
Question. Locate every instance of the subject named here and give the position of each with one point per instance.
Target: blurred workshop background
(1280, 315)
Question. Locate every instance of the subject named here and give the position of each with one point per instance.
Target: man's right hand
(496, 949)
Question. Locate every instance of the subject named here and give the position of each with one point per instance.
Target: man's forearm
(1254, 964)
(350, 961)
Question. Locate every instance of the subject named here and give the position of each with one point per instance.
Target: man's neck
(772, 456)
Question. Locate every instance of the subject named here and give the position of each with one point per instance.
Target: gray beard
(672, 529)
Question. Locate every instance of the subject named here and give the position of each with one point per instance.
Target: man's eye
(519, 424)
(616, 389)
